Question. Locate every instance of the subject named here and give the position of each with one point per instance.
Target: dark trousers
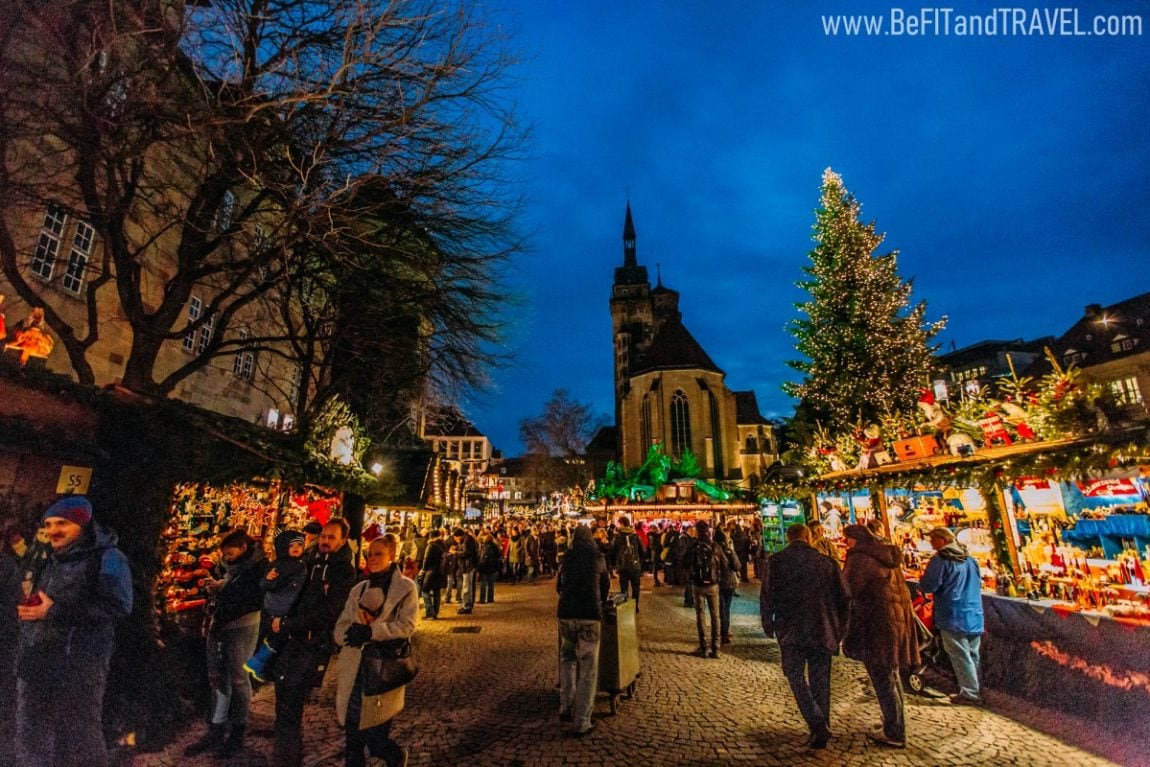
(888, 690)
(376, 740)
(431, 598)
(59, 719)
(725, 597)
(287, 750)
(808, 671)
(630, 578)
(487, 587)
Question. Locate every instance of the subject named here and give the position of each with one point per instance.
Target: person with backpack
(627, 556)
(684, 546)
(708, 568)
(490, 562)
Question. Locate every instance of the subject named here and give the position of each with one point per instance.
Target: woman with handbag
(374, 633)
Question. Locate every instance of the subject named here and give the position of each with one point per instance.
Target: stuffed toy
(935, 417)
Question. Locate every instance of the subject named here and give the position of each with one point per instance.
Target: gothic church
(669, 391)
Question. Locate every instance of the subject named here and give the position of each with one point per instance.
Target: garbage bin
(618, 650)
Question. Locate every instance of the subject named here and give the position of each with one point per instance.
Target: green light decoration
(656, 471)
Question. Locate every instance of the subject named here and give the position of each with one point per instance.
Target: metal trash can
(618, 650)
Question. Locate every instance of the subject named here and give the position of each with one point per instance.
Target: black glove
(358, 634)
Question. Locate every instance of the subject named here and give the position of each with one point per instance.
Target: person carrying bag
(375, 662)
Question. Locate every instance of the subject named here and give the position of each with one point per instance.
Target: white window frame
(196, 340)
(1126, 390)
(244, 363)
(83, 239)
(48, 243)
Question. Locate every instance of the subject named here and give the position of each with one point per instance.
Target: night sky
(1009, 171)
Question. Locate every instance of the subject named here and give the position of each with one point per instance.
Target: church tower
(632, 317)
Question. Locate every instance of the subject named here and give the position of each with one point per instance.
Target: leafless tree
(255, 153)
(556, 442)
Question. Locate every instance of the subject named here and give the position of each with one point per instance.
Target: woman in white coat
(382, 607)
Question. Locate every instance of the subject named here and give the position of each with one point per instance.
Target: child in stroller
(934, 657)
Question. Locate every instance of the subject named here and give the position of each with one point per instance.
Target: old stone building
(669, 391)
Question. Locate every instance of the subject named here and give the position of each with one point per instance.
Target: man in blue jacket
(67, 632)
(952, 576)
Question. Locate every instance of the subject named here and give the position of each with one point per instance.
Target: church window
(752, 446)
(680, 423)
(645, 423)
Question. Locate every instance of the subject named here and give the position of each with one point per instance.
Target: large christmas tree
(867, 350)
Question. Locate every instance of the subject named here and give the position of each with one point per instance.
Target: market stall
(202, 513)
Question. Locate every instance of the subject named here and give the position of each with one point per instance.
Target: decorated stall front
(1046, 485)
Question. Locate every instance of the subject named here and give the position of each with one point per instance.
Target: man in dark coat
(305, 655)
(583, 585)
(803, 604)
(431, 575)
(67, 633)
(880, 625)
(466, 562)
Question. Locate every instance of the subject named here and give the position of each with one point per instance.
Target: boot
(210, 740)
(233, 743)
(260, 664)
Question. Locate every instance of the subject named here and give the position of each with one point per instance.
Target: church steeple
(629, 239)
(630, 273)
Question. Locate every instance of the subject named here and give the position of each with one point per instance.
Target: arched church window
(680, 423)
(752, 446)
(645, 423)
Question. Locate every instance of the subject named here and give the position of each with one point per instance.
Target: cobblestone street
(489, 698)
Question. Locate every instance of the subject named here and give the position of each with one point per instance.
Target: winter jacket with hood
(880, 622)
(281, 593)
(952, 576)
(624, 535)
(90, 585)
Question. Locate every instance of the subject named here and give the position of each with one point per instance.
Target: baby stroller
(933, 657)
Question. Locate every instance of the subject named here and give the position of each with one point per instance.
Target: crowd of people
(318, 599)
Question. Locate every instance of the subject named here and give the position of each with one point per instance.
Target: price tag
(73, 480)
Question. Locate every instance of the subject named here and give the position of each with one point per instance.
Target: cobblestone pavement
(489, 699)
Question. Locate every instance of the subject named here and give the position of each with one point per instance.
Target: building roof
(674, 348)
(747, 409)
(990, 348)
(604, 440)
(449, 422)
(1102, 329)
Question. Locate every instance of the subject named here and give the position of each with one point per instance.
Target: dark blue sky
(1010, 172)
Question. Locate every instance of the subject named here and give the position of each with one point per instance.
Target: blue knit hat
(74, 508)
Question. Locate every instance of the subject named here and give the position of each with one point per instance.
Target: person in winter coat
(707, 567)
(304, 657)
(953, 577)
(626, 556)
(281, 586)
(466, 559)
(515, 555)
(66, 638)
(383, 607)
(490, 563)
(741, 542)
(431, 576)
(804, 605)
(880, 625)
(531, 554)
(728, 585)
(231, 630)
(583, 585)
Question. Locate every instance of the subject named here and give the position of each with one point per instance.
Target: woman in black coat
(231, 630)
(432, 576)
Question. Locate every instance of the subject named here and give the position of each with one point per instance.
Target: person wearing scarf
(382, 607)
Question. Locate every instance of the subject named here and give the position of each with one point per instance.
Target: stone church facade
(669, 391)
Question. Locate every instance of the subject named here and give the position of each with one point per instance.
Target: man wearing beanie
(953, 577)
(67, 631)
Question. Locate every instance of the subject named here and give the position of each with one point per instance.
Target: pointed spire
(629, 239)
(659, 275)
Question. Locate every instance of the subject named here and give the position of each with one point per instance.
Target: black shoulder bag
(387, 664)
